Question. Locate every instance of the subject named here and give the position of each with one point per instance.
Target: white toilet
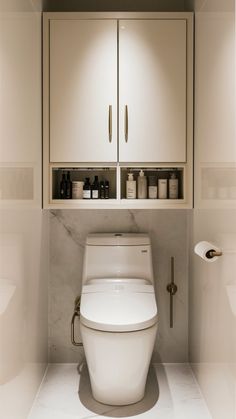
(118, 315)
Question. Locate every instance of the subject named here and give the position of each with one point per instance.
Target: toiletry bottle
(131, 187)
(173, 186)
(87, 189)
(162, 188)
(106, 192)
(152, 187)
(102, 190)
(95, 188)
(63, 186)
(142, 185)
(68, 186)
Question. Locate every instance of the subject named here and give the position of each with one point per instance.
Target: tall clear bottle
(173, 186)
(142, 185)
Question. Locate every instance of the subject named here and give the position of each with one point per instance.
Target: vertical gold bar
(172, 289)
(110, 123)
(126, 124)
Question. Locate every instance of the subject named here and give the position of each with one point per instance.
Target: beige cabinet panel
(152, 90)
(83, 90)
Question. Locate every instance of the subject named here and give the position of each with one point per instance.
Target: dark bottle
(95, 188)
(106, 189)
(68, 186)
(63, 186)
(102, 190)
(87, 189)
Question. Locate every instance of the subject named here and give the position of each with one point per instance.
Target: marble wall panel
(168, 230)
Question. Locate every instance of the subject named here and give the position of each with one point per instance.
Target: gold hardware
(126, 124)
(172, 289)
(75, 314)
(110, 123)
(212, 253)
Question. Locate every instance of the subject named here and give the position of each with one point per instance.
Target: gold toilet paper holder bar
(213, 253)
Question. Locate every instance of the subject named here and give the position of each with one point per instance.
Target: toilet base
(118, 363)
(124, 401)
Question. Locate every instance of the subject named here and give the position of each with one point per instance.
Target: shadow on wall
(107, 5)
(150, 398)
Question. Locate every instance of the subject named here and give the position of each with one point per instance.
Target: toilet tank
(118, 255)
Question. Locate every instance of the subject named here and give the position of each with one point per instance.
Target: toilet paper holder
(208, 251)
(213, 253)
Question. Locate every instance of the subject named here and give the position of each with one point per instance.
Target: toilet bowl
(118, 316)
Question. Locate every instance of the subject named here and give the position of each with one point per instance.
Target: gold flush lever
(172, 289)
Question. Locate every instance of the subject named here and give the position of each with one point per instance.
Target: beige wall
(212, 305)
(23, 225)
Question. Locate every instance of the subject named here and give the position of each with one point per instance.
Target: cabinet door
(83, 90)
(152, 81)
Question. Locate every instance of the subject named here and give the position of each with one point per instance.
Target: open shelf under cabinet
(116, 176)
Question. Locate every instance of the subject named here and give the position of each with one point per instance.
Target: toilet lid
(118, 306)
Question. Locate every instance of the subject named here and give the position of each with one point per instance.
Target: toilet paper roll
(203, 248)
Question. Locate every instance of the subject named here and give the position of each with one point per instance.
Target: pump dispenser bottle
(173, 186)
(131, 187)
(142, 185)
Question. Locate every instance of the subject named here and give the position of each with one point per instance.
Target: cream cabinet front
(152, 90)
(144, 61)
(83, 90)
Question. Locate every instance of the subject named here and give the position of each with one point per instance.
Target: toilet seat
(118, 305)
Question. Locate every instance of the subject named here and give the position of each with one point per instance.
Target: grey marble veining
(168, 230)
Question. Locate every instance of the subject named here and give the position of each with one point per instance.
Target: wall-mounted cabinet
(117, 93)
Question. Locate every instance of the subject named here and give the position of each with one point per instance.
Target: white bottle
(173, 186)
(162, 188)
(142, 185)
(131, 187)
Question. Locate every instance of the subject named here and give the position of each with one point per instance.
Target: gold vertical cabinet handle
(110, 123)
(126, 124)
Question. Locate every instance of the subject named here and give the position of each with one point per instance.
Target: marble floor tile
(171, 393)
